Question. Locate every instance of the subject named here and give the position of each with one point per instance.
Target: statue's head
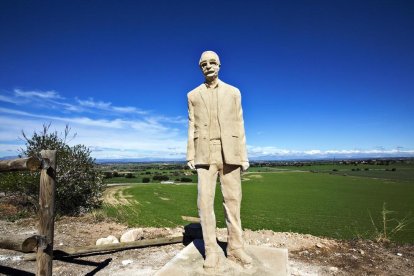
(209, 64)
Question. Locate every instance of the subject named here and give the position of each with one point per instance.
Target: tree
(160, 178)
(107, 174)
(129, 175)
(79, 182)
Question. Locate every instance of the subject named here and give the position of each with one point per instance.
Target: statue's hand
(245, 165)
(191, 165)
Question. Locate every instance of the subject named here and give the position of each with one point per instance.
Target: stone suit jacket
(230, 116)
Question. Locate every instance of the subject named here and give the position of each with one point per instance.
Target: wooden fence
(44, 240)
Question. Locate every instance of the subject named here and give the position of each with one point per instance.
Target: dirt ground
(115, 196)
(308, 255)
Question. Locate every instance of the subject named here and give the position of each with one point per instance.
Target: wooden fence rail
(23, 244)
(44, 240)
(20, 164)
(91, 249)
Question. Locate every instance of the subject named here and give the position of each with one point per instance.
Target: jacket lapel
(221, 95)
(203, 93)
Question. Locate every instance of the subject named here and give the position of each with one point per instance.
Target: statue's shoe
(211, 263)
(240, 256)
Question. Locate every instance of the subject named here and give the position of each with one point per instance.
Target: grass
(316, 203)
(402, 174)
(157, 205)
(384, 233)
(323, 204)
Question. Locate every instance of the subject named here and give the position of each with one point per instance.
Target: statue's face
(210, 66)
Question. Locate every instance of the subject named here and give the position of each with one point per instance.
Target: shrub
(129, 175)
(79, 183)
(186, 179)
(145, 180)
(107, 174)
(160, 178)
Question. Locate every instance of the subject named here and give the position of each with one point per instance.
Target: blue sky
(318, 78)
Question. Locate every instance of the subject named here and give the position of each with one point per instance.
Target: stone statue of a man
(217, 145)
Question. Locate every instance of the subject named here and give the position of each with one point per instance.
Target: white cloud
(126, 109)
(53, 100)
(92, 103)
(147, 126)
(260, 151)
(14, 112)
(51, 94)
(100, 105)
(174, 120)
(124, 131)
(119, 138)
(312, 152)
(256, 152)
(7, 99)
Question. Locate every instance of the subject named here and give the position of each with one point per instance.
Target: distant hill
(8, 157)
(138, 160)
(337, 156)
(299, 157)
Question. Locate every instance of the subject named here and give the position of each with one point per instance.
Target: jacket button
(205, 124)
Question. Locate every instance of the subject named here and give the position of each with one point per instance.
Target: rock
(399, 254)
(362, 252)
(333, 269)
(132, 235)
(127, 262)
(108, 240)
(319, 245)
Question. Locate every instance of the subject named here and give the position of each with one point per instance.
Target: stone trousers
(232, 195)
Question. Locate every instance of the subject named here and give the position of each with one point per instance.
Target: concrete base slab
(189, 262)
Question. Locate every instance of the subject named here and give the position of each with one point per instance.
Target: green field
(324, 204)
(137, 176)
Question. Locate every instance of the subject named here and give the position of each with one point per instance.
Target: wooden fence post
(47, 190)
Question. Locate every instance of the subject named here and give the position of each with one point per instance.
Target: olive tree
(79, 182)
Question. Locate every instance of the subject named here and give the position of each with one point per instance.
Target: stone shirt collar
(208, 87)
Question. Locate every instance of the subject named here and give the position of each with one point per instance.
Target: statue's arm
(243, 149)
(190, 142)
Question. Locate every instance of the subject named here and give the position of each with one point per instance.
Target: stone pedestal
(189, 262)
